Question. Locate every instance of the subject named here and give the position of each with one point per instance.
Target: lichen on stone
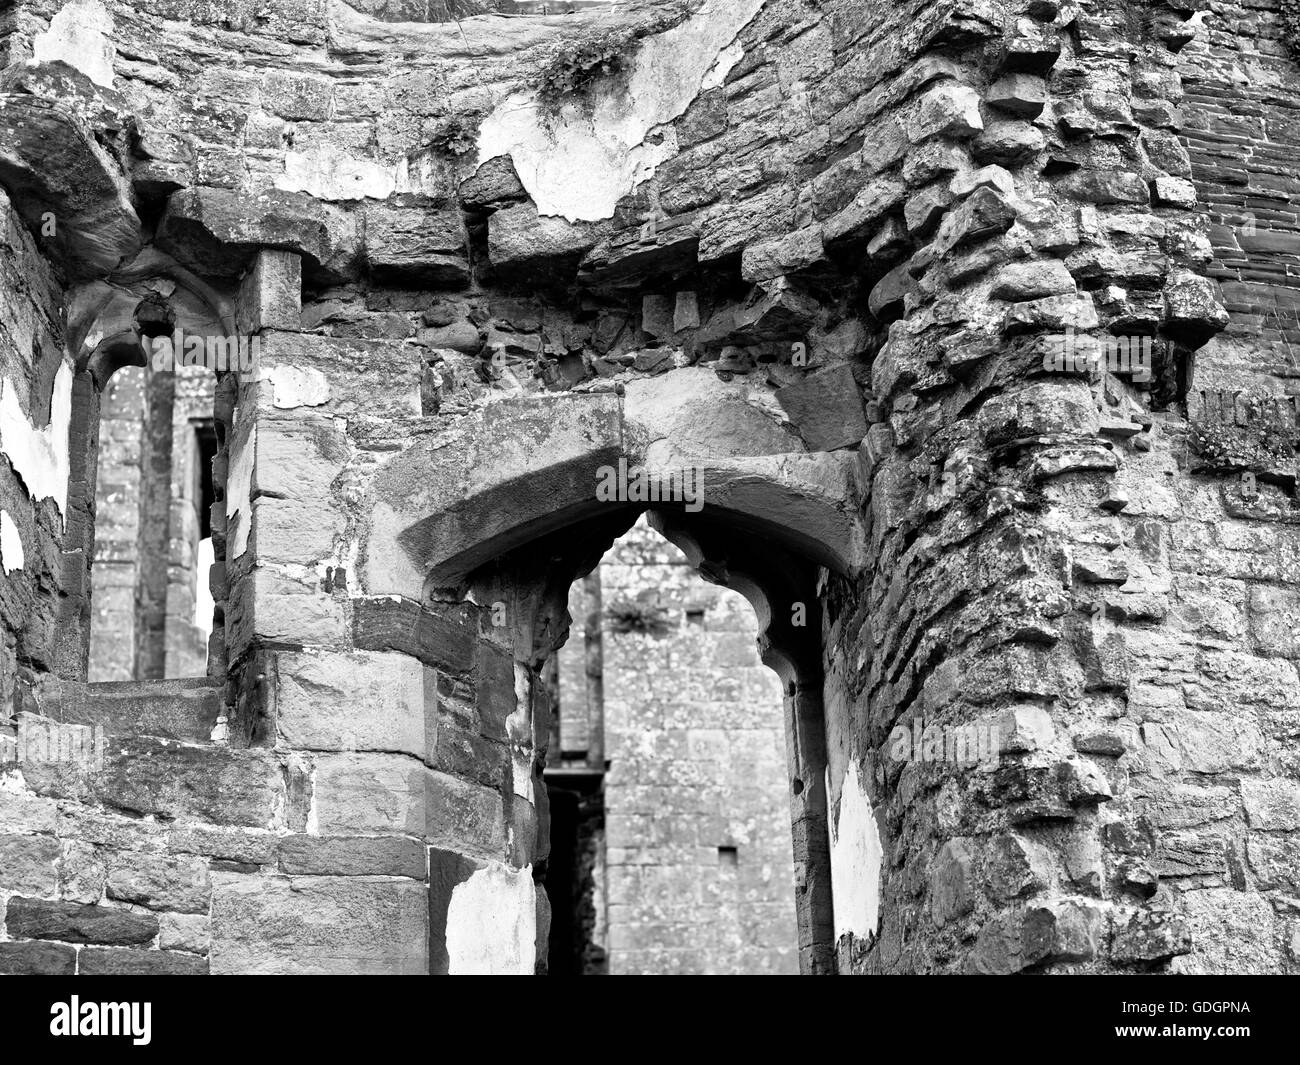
(1255, 446)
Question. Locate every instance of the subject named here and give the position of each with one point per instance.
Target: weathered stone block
(365, 793)
(320, 925)
(1031, 281)
(858, 222)
(1061, 930)
(445, 641)
(1023, 95)
(826, 408)
(268, 608)
(27, 813)
(159, 882)
(1008, 143)
(1275, 620)
(155, 777)
(87, 193)
(297, 96)
(947, 110)
(75, 923)
(1205, 742)
(1272, 804)
(416, 246)
(1193, 312)
(190, 932)
(983, 214)
(270, 294)
(94, 962)
(782, 255)
(224, 844)
(1233, 932)
(1106, 186)
(333, 376)
(27, 864)
(952, 888)
(1015, 867)
(1151, 936)
(185, 710)
(351, 701)
(37, 959)
(217, 231)
(469, 818)
(1275, 861)
(353, 856)
(520, 241)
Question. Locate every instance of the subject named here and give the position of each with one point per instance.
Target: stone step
(184, 710)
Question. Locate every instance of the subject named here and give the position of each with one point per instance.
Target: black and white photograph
(650, 487)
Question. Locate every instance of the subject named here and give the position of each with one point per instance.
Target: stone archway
(144, 464)
(509, 514)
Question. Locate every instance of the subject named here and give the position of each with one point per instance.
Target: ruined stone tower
(961, 337)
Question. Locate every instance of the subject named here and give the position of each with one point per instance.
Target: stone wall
(43, 508)
(188, 579)
(825, 254)
(115, 571)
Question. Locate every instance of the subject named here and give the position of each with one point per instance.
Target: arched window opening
(670, 818)
(150, 611)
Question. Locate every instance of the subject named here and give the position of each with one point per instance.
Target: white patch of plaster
(856, 858)
(239, 492)
(492, 923)
(328, 174)
(422, 172)
(39, 456)
(727, 58)
(344, 564)
(80, 36)
(580, 165)
(296, 386)
(11, 545)
(519, 729)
